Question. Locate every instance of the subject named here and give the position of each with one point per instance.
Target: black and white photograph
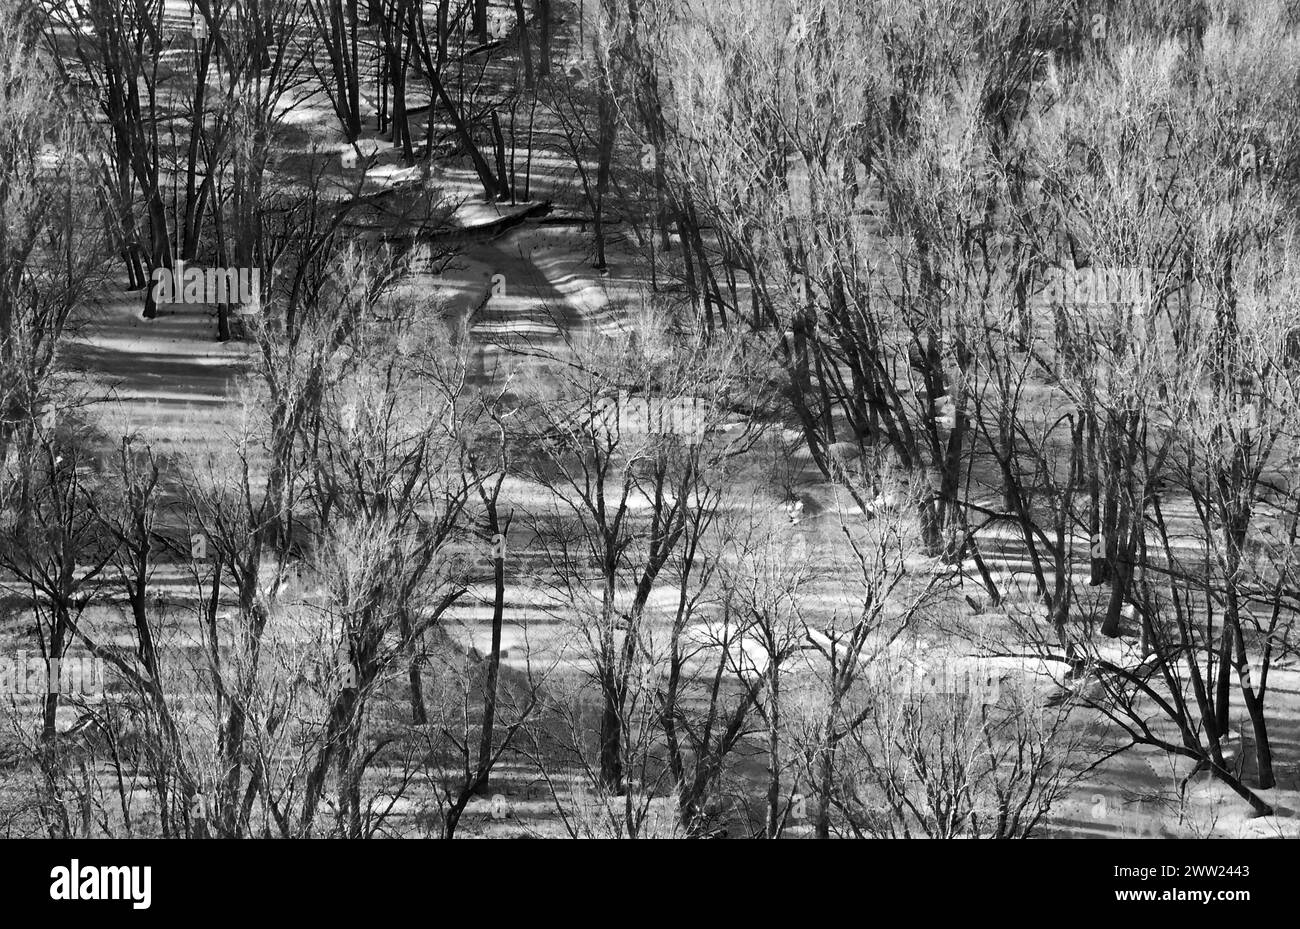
(650, 419)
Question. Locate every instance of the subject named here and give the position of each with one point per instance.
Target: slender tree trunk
(544, 39)
(774, 815)
(611, 736)
(494, 658)
(606, 129)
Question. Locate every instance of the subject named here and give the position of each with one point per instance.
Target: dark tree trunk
(480, 20)
(494, 658)
(544, 39)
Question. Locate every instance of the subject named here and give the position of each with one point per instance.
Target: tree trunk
(480, 20)
(774, 816)
(611, 738)
(544, 39)
(494, 658)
